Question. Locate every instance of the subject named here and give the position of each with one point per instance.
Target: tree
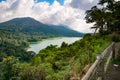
(7, 69)
(106, 17)
(64, 45)
(98, 16)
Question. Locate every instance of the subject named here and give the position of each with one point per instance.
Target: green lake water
(36, 47)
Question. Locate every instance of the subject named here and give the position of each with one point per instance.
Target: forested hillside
(55, 63)
(16, 33)
(30, 26)
(14, 44)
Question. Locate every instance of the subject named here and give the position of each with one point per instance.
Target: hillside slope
(31, 26)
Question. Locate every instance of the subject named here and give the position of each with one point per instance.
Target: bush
(117, 60)
(115, 37)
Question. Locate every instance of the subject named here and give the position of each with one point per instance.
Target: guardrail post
(113, 51)
(100, 70)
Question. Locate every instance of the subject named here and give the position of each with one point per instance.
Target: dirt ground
(114, 72)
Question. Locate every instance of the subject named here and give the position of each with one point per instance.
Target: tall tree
(106, 17)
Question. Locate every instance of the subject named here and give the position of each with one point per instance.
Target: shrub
(115, 37)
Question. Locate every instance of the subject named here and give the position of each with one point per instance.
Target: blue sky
(50, 1)
(2, 0)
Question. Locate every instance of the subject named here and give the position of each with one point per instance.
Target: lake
(36, 47)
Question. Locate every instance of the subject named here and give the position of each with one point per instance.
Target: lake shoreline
(41, 41)
(39, 45)
(54, 38)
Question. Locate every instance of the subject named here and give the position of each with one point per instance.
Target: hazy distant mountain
(29, 25)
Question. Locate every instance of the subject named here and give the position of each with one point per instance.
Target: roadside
(114, 70)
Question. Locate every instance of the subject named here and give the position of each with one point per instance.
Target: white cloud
(66, 14)
(83, 4)
(91, 1)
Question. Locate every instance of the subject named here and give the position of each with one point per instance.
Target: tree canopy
(105, 15)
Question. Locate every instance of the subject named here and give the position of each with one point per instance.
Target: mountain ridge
(28, 24)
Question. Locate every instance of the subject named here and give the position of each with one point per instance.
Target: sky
(51, 1)
(70, 13)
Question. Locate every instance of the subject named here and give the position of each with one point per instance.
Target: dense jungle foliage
(14, 44)
(55, 63)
